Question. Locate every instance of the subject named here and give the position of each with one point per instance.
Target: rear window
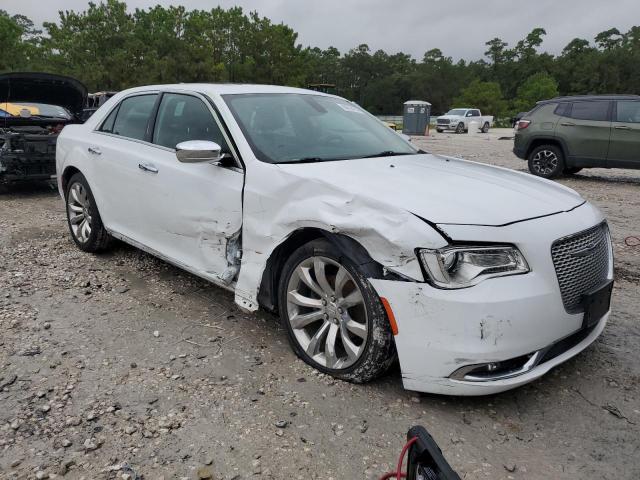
(562, 109)
(596, 110)
(133, 116)
(628, 111)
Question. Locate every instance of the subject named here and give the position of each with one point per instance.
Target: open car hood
(47, 88)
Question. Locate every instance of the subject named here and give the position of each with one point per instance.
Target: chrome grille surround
(583, 262)
(443, 121)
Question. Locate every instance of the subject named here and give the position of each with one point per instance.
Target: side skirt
(205, 276)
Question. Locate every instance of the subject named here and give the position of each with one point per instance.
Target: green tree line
(109, 47)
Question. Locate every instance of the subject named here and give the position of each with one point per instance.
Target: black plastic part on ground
(426, 460)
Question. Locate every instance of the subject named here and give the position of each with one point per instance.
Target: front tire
(334, 319)
(546, 161)
(83, 218)
(460, 128)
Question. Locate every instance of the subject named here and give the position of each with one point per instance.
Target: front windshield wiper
(389, 153)
(310, 160)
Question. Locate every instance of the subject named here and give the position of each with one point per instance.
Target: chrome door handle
(94, 150)
(148, 167)
(568, 124)
(622, 127)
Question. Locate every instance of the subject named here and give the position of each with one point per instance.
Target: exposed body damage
(27, 153)
(388, 234)
(440, 331)
(34, 107)
(242, 223)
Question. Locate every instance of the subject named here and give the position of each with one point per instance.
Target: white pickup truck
(459, 119)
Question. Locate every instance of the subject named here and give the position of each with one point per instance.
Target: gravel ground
(120, 366)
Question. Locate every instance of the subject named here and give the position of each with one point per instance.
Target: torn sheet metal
(292, 199)
(27, 153)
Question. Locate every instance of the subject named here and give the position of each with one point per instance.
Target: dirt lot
(120, 365)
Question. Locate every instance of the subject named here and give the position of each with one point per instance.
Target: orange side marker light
(390, 315)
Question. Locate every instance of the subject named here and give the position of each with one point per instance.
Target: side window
(133, 116)
(475, 113)
(184, 117)
(562, 109)
(628, 111)
(107, 125)
(596, 110)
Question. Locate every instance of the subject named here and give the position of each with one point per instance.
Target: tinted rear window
(133, 116)
(596, 111)
(628, 111)
(562, 109)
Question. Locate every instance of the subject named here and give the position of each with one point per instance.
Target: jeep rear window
(562, 109)
(595, 110)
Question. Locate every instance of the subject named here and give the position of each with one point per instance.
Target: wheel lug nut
(326, 317)
(340, 310)
(324, 302)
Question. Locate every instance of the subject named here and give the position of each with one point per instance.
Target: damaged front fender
(287, 203)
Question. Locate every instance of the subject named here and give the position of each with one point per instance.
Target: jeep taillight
(522, 124)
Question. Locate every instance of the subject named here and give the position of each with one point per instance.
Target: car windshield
(459, 112)
(292, 127)
(31, 109)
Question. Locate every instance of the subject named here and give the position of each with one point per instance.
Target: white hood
(445, 190)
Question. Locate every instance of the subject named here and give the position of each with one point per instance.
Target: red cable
(398, 474)
(392, 475)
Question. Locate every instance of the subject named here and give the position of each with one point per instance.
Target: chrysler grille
(582, 264)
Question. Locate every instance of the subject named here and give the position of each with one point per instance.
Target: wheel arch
(347, 246)
(68, 172)
(538, 142)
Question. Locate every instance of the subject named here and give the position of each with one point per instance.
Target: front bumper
(440, 332)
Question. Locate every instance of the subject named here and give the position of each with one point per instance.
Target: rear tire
(334, 319)
(485, 128)
(546, 161)
(83, 218)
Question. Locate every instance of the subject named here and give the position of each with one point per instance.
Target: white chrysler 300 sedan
(478, 279)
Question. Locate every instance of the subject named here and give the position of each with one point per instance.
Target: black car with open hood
(34, 107)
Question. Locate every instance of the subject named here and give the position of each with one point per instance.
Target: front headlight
(465, 266)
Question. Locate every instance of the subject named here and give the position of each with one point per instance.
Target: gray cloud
(458, 28)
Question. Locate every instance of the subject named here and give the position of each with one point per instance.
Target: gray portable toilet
(416, 116)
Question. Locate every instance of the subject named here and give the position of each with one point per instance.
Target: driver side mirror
(197, 151)
(469, 114)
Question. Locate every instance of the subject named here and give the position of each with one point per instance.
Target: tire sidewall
(460, 128)
(379, 337)
(559, 168)
(91, 244)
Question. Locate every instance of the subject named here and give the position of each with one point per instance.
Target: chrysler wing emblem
(584, 251)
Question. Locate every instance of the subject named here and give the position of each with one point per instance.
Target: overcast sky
(458, 27)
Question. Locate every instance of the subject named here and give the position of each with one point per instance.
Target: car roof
(572, 98)
(226, 88)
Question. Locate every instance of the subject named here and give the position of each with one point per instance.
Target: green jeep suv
(566, 134)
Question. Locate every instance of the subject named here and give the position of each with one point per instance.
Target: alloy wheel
(545, 162)
(326, 312)
(78, 206)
